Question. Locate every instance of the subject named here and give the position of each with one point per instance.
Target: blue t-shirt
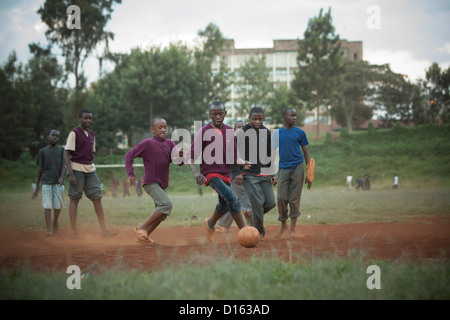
(290, 143)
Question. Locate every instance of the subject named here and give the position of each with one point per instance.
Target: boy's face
(239, 126)
(217, 116)
(53, 137)
(159, 128)
(86, 120)
(256, 120)
(290, 118)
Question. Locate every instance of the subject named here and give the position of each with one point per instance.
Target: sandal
(143, 238)
(148, 242)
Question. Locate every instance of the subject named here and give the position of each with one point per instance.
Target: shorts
(53, 196)
(159, 196)
(87, 182)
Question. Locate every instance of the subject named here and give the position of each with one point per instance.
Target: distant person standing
(79, 156)
(50, 164)
(366, 181)
(395, 185)
(349, 181)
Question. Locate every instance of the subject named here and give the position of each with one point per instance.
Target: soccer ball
(248, 237)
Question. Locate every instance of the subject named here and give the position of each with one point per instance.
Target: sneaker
(209, 231)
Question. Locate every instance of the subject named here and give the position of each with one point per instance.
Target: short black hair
(216, 104)
(256, 110)
(286, 110)
(83, 111)
(157, 118)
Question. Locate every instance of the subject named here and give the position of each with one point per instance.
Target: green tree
(356, 92)
(46, 96)
(437, 88)
(284, 97)
(253, 84)
(319, 63)
(210, 85)
(77, 44)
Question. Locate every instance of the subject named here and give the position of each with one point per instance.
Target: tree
(253, 84)
(77, 44)
(356, 91)
(210, 86)
(437, 88)
(284, 97)
(45, 96)
(319, 63)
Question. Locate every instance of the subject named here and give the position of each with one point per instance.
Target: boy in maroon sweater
(78, 156)
(157, 156)
(216, 143)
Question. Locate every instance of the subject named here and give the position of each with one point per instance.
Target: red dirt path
(419, 239)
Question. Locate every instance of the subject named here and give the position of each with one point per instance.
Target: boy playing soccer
(157, 156)
(78, 156)
(258, 180)
(51, 173)
(216, 142)
(291, 174)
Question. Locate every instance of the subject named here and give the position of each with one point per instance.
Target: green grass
(257, 279)
(421, 157)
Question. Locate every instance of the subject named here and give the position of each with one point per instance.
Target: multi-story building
(281, 60)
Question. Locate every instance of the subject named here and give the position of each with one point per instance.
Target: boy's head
(217, 112)
(53, 137)
(159, 127)
(85, 117)
(239, 125)
(289, 116)
(256, 117)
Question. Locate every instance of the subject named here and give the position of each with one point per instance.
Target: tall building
(281, 60)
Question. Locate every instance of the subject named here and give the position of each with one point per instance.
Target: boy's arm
(307, 158)
(72, 179)
(61, 177)
(38, 180)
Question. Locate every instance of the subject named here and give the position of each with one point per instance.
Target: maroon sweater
(83, 147)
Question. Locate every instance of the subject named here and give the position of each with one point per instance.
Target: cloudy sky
(407, 34)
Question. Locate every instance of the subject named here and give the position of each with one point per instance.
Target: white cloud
(401, 61)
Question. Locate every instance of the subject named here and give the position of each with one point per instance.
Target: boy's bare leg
(153, 222)
(48, 221)
(292, 230)
(239, 220)
(101, 217)
(73, 207)
(56, 213)
(282, 229)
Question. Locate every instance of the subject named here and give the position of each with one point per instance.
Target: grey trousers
(290, 185)
(262, 199)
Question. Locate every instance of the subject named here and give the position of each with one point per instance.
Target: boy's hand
(308, 183)
(61, 181)
(131, 180)
(181, 153)
(274, 180)
(72, 179)
(34, 195)
(247, 165)
(200, 179)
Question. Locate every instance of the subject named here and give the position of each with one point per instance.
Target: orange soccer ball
(248, 237)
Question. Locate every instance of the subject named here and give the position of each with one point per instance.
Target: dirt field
(419, 239)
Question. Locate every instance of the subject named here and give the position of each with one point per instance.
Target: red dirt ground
(419, 239)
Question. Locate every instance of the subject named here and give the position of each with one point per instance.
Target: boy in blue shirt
(291, 141)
